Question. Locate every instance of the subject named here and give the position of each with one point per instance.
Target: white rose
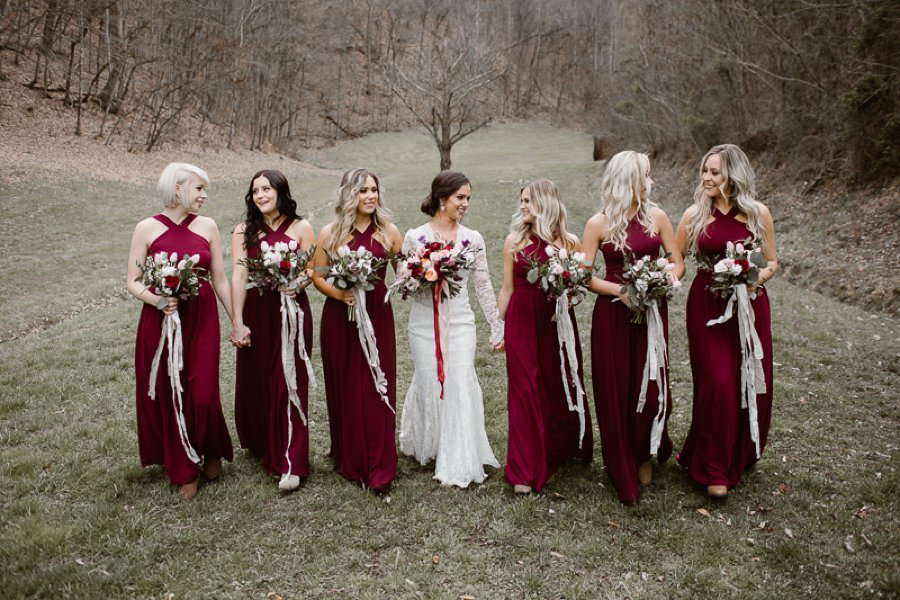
(739, 248)
(173, 257)
(182, 264)
(557, 269)
(720, 267)
(342, 251)
(292, 245)
(563, 253)
(579, 256)
(729, 246)
(167, 271)
(661, 262)
(550, 250)
(264, 246)
(639, 264)
(736, 269)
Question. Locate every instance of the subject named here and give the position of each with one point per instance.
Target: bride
(449, 429)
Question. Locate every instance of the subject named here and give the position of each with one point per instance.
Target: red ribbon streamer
(436, 301)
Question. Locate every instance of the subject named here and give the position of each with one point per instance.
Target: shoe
(188, 491)
(522, 489)
(212, 468)
(645, 473)
(289, 482)
(717, 491)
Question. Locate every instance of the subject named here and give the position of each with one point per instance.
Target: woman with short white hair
(179, 413)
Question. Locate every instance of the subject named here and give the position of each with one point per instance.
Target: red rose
(171, 282)
(566, 275)
(435, 246)
(743, 264)
(284, 266)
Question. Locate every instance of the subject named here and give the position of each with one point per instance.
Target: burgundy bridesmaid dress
(362, 426)
(261, 394)
(543, 432)
(157, 428)
(618, 354)
(718, 448)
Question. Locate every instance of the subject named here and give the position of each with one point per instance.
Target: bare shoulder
(325, 232)
(301, 228)
(240, 228)
(764, 211)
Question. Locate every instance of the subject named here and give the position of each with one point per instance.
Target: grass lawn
(79, 517)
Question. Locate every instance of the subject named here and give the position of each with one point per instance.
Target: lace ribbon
(171, 337)
(753, 379)
(655, 370)
(292, 337)
(367, 341)
(565, 333)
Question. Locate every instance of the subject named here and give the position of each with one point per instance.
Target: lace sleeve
(485, 290)
(409, 241)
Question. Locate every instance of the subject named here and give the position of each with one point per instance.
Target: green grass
(80, 518)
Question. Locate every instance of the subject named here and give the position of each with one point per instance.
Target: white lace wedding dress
(449, 430)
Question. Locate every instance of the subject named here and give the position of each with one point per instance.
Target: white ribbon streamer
(171, 337)
(367, 341)
(565, 333)
(753, 379)
(292, 337)
(655, 370)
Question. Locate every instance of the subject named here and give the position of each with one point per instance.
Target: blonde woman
(173, 433)
(629, 225)
(362, 425)
(543, 432)
(731, 413)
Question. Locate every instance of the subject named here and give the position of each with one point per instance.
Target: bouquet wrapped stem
(171, 277)
(357, 271)
(731, 275)
(564, 277)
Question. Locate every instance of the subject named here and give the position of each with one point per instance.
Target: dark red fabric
(362, 426)
(260, 392)
(158, 438)
(618, 354)
(543, 433)
(718, 448)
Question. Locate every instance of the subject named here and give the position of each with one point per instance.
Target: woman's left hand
(499, 346)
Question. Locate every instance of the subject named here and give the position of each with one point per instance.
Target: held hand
(290, 292)
(623, 297)
(347, 297)
(170, 307)
(305, 279)
(240, 336)
(499, 346)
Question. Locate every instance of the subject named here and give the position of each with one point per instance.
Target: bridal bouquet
(437, 265)
(355, 270)
(278, 266)
(740, 266)
(564, 277)
(563, 274)
(647, 281)
(171, 277)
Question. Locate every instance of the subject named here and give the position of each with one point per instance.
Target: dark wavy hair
(287, 206)
(442, 187)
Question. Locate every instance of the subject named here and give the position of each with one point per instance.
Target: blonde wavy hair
(625, 177)
(739, 186)
(549, 217)
(346, 202)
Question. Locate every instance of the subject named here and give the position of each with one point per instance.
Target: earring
(442, 206)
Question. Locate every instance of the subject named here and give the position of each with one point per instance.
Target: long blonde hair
(739, 185)
(625, 176)
(549, 217)
(345, 206)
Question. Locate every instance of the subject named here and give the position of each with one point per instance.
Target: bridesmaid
(261, 401)
(362, 426)
(719, 446)
(629, 224)
(543, 432)
(178, 228)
